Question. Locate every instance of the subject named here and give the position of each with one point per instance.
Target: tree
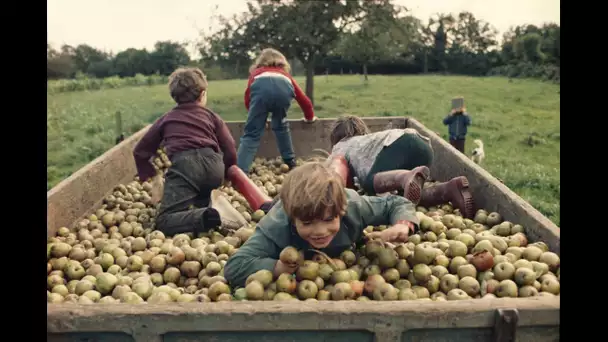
(377, 37)
(473, 35)
(471, 42)
(438, 40)
(301, 29)
(60, 64)
(528, 46)
(168, 56)
(532, 44)
(85, 56)
(132, 61)
(226, 48)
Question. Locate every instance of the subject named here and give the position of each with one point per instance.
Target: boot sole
(462, 184)
(412, 190)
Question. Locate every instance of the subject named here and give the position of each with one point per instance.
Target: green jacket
(276, 231)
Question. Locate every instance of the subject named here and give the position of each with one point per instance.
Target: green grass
(80, 125)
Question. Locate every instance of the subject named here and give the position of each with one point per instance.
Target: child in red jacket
(270, 90)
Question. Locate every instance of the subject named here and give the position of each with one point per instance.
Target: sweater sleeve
(448, 119)
(257, 253)
(146, 149)
(303, 101)
(248, 92)
(226, 142)
(386, 210)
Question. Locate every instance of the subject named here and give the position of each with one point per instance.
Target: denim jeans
(268, 95)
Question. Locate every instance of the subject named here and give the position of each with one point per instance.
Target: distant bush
(545, 72)
(84, 83)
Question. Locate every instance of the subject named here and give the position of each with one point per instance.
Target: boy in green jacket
(316, 212)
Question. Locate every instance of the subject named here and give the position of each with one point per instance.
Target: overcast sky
(115, 25)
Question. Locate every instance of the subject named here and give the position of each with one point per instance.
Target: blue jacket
(457, 125)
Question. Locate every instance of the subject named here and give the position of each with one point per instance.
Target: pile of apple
(116, 256)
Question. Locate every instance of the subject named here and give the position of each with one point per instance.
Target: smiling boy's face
(314, 199)
(318, 233)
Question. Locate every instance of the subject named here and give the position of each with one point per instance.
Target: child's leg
(339, 164)
(246, 187)
(458, 144)
(268, 205)
(461, 145)
(455, 191)
(280, 127)
(252, 133)
(188, 183)
(391, 169)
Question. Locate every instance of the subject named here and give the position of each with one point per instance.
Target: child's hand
(397, 233)
(281, 268)
(158, 185)
(314, 118)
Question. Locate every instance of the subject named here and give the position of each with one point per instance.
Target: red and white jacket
(301, 98)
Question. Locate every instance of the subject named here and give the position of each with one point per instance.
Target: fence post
(119, 133)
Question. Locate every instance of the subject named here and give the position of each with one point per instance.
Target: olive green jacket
(276, 231)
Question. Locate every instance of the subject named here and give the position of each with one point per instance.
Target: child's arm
(146, 149)
(258, 253)
(449, 119)
(226, 142)
(392, 210)
(248, 93)
(303, 101)
(386, 210)
(158, 187)
(467, 119)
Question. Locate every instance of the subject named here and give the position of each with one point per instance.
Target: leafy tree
(528, 46)
(168, 56)
(379, 36)
(85, 56)
(305, 30)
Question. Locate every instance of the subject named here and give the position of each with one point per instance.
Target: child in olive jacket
(315, 211)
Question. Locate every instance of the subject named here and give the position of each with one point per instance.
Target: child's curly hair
(271, 58)
(347, 126)
(187, 84)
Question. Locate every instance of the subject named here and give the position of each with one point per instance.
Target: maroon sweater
(187, 126)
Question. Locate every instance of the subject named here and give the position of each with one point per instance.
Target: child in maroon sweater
(201, 150)
(270, 89)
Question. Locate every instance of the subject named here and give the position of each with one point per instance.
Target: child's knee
(279, 122)
(253, 132)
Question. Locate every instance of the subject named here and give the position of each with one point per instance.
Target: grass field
(80, 125)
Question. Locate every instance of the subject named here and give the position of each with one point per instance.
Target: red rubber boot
(411, 181)
(246, 187)
(339, 164)
(455, 191)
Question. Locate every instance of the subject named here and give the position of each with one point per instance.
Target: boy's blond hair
(271, 58)
(313, 191)
(187, 84)
(347, 126)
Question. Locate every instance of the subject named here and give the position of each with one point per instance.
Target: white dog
(478, 153)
